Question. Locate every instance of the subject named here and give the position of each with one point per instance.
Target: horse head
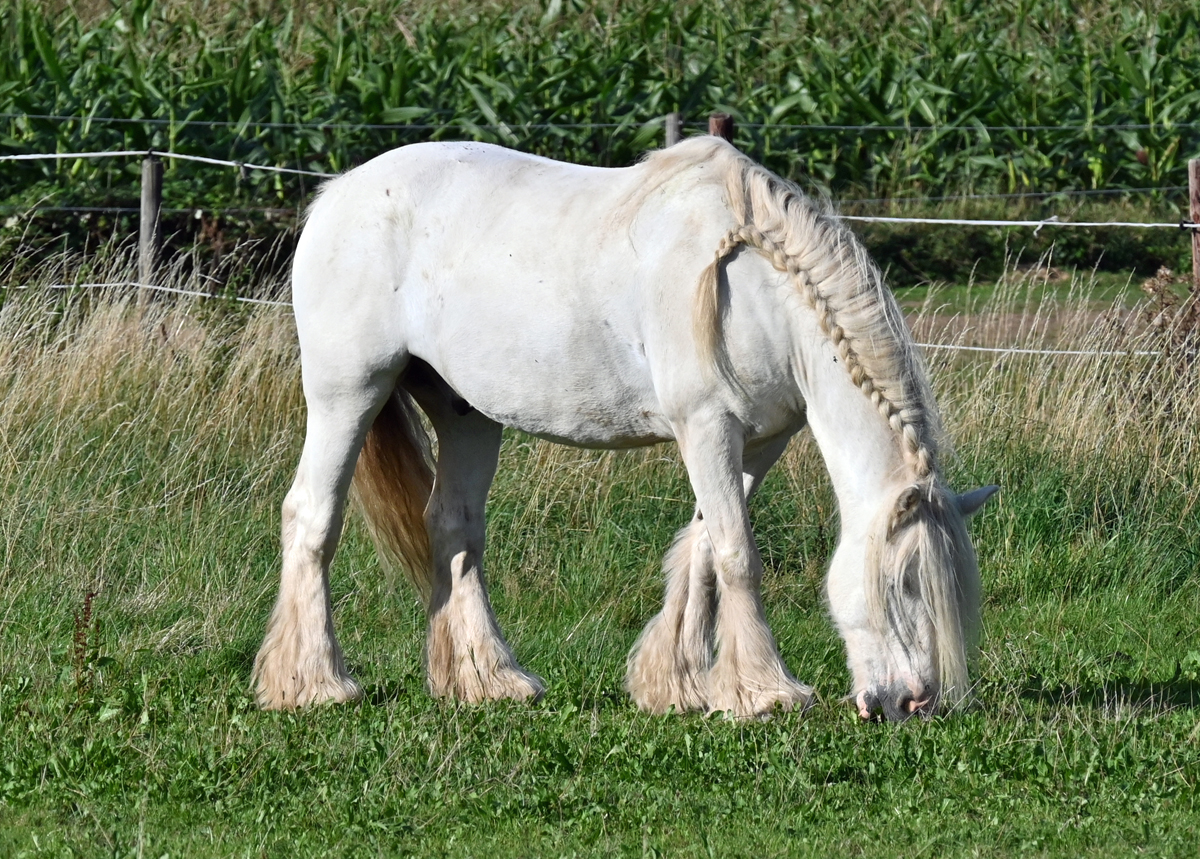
(910, 634)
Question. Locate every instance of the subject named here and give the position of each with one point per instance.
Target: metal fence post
(674, 128)
(1194, 211)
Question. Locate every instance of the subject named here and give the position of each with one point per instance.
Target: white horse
(586, 306)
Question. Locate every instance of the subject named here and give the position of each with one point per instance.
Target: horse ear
(906, 505)
(969, 503)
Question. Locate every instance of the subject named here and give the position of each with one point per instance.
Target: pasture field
(143, 458)
(144, 453)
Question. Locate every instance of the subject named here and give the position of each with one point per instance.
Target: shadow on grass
(390, 692)
(1178, 692)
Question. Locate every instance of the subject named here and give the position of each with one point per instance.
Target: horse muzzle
(896, 703)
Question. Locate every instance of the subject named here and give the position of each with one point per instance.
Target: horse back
(553, 297)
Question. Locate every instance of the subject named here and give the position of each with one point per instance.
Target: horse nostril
(868, 705)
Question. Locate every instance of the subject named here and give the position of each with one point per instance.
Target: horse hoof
(502, 684)
(306, 693)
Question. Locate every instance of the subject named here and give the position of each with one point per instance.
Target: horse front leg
(747, 678)
(668, 666)
(466, 655)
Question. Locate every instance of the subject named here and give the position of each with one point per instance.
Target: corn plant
(951, 96)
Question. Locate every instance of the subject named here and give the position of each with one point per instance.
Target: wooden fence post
(674, 128)
(150, 233)
(1194, 211)
(721, 125)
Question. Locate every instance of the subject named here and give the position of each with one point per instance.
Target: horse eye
(910, 586)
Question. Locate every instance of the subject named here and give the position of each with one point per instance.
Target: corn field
(951, 96)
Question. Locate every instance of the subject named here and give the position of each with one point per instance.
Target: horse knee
(310, 529)
(736, 566)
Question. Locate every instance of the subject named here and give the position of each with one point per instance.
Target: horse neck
(863, 454)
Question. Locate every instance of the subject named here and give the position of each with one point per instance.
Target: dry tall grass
(132, 437)
(1131, 401)
(121, 426)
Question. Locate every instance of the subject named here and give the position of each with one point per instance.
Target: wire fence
(152, 153)
(781, 126)
(166, 210)
(150, 287)
(1053, 222)
(1022, 195)
(1037, 225)
(845, 201)
(345, 147)
(978, 222)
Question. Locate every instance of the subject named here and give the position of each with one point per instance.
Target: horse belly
(572, 390)
(566, 408)
(595, 425)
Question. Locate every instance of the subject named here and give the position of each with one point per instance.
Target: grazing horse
(694, 297)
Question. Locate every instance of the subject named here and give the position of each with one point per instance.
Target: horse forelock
(932, 544)
(840, 284)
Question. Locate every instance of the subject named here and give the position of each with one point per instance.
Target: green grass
(146, 460)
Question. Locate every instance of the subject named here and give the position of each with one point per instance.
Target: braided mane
(833, 273)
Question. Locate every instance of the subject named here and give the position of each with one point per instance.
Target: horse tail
(392, 484)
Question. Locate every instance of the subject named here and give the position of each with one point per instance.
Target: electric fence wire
(861, 218)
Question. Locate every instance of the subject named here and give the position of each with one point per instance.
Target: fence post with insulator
(150, 232)
(674, 128)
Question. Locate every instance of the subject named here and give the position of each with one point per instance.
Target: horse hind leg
(300, 661)
(467, 657)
